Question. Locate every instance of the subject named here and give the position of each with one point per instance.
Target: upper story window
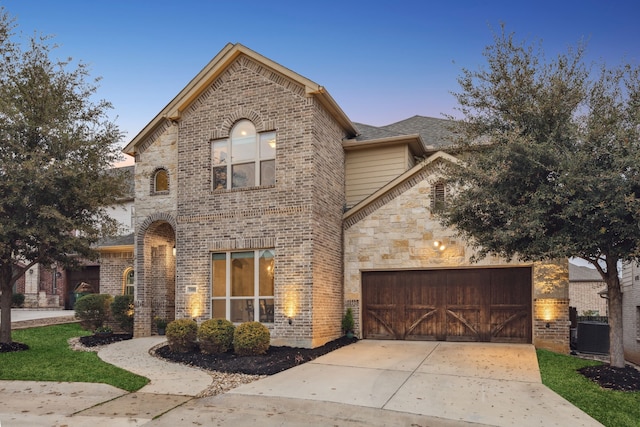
(160, 181)
(438, 197)
(247, 157)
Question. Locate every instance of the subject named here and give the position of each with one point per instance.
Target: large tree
(56, 147)
(552, 163)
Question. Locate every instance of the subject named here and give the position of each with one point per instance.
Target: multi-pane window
(247, 157)
(242, 285)
(128, 287)
(438, 197)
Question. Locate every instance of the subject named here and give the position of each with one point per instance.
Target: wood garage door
(487, 305)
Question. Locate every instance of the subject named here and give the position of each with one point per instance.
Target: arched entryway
(156, 274)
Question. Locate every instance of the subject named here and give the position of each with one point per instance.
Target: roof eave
(212, 70)
(414, 141)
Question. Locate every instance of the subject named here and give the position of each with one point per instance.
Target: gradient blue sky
(382, 61)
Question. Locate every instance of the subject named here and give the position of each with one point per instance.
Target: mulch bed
(621, 379)
(277, 359)
(14, 346)
(94, 340)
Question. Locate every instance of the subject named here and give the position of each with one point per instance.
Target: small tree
(93, 310)
(56, 146)
(553, 163)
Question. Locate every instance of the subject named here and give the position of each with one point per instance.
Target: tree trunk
(614, 294)
(6, 287)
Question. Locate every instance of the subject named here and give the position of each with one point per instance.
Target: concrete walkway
(373, 383)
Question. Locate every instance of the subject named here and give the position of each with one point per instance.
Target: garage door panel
(463, 324)
(381, 321)
(422, 322)
(509, 325)
(489, 304)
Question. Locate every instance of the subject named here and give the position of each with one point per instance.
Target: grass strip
(612, 408)
(49, 358)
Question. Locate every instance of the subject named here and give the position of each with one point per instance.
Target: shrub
(17, 300)
(122, 312)
(251, 338)
(216, 336)
(181, 335)
(93, 310)
(347, 321)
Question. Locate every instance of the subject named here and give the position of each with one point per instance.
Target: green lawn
(49, 358)
(611, 408)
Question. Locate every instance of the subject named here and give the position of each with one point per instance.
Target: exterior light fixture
(439, 245)
(290, 321)
(174, 250)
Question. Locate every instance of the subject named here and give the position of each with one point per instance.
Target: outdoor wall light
(290, 321)
(439, 245)
(548, 325)
(174, 250)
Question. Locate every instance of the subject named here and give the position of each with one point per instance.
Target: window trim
(125, 276)
(154, 181)
(256, 297)
(257, 160)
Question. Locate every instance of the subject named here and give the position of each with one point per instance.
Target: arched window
(247, 157)
(128, 287)
(438, 196)
(161, 181)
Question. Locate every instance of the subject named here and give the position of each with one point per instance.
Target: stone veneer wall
(295, 216)
(397, 232)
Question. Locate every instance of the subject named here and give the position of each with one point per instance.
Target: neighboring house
(587, 291)
(630, 283)
(116, 254)
(257, 198)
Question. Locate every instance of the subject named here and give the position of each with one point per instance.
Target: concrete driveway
(397, 383)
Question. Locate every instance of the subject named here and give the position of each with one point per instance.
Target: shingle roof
(578, 273)
(436, 133)
(116, 241)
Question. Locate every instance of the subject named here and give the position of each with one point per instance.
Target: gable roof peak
(173, 110)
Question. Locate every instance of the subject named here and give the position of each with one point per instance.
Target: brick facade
(300, 216)
(113, 266)
(585, 298)
(319, 251)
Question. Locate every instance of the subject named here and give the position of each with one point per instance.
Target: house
(258, 199)
(630, 284)
(586, 289)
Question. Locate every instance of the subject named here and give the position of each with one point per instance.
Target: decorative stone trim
(386, 198)
(249, 213)
(250, 243)
(158, 216)
(152, 138)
